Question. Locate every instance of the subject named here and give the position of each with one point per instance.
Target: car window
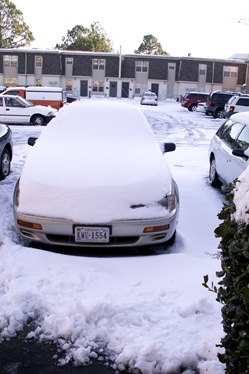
(202, 97)
(243, 139)
(1, 102)
(231, 134)
(224, 128)
(243, 101)
(11, 102)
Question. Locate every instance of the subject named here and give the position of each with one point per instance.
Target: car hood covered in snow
(93, 163)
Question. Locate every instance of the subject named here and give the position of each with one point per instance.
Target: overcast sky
(204, 29)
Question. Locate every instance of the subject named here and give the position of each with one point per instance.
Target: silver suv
(237, 104)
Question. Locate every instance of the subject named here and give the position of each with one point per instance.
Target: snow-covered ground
(145, 311)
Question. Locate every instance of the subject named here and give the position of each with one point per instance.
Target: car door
(230, 166)
(15, 111)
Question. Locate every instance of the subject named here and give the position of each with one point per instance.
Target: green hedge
(233, 289)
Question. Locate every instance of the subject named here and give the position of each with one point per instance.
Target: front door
(83, 88)
(154, 88)
(125, 89)
(113, 89)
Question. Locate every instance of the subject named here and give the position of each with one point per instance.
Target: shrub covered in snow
(233, 290)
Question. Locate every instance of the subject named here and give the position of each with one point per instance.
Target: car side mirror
(239, 153)
(32, 140)
(168, 147)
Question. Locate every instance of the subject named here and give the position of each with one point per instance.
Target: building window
(9, 60)
(137, 91)
(98, 86)
(98, 64)
(69, 85)
(10, 82)
(230, 71)
(69, 61)
(38, 61)
(202, 72)
(142, 66)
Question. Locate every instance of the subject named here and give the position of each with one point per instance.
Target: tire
(193, 108)
(219, 114)
(5, 164)
(171, 241)
(38, 120)
(213, 176)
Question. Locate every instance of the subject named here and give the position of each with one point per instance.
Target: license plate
(91, 234)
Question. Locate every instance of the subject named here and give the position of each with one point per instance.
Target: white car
(229, 150)
(201, 107)
(16, 110)
(97, 176)
(237, 104)
(149, 98)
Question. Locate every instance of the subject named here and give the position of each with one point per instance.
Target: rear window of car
(220, 98)
(191, 96)
(149, 94)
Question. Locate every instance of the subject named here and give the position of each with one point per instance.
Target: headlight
(16, 194)
(169, 202)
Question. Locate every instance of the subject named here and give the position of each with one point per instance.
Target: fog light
(156, 228)
(30, 225)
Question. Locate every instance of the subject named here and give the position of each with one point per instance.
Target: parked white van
(47, 96)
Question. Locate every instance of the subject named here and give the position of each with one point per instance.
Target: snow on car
(97, 175)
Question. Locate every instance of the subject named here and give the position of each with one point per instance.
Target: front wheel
(5, 164)
(213, 176)
(38, 120)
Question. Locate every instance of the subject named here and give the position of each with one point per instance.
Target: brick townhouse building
(120, 75)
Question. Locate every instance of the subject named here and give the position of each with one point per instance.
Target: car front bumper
(124, 233)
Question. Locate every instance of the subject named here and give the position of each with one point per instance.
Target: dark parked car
(5, 150)
(216, 103)
(192, 99)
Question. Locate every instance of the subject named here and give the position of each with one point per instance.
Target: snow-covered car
(97, 176)
(229, 150)
(6, 150)
(149, 98)
(16, 110)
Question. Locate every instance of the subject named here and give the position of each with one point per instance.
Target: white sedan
(97, 176)
(16, 110)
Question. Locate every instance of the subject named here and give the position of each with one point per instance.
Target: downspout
(212, 83)
(25, 70)
(120, 63)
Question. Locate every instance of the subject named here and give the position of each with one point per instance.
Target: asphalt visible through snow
(21, 356)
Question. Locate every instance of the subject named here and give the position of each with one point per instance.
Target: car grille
(114, 240)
